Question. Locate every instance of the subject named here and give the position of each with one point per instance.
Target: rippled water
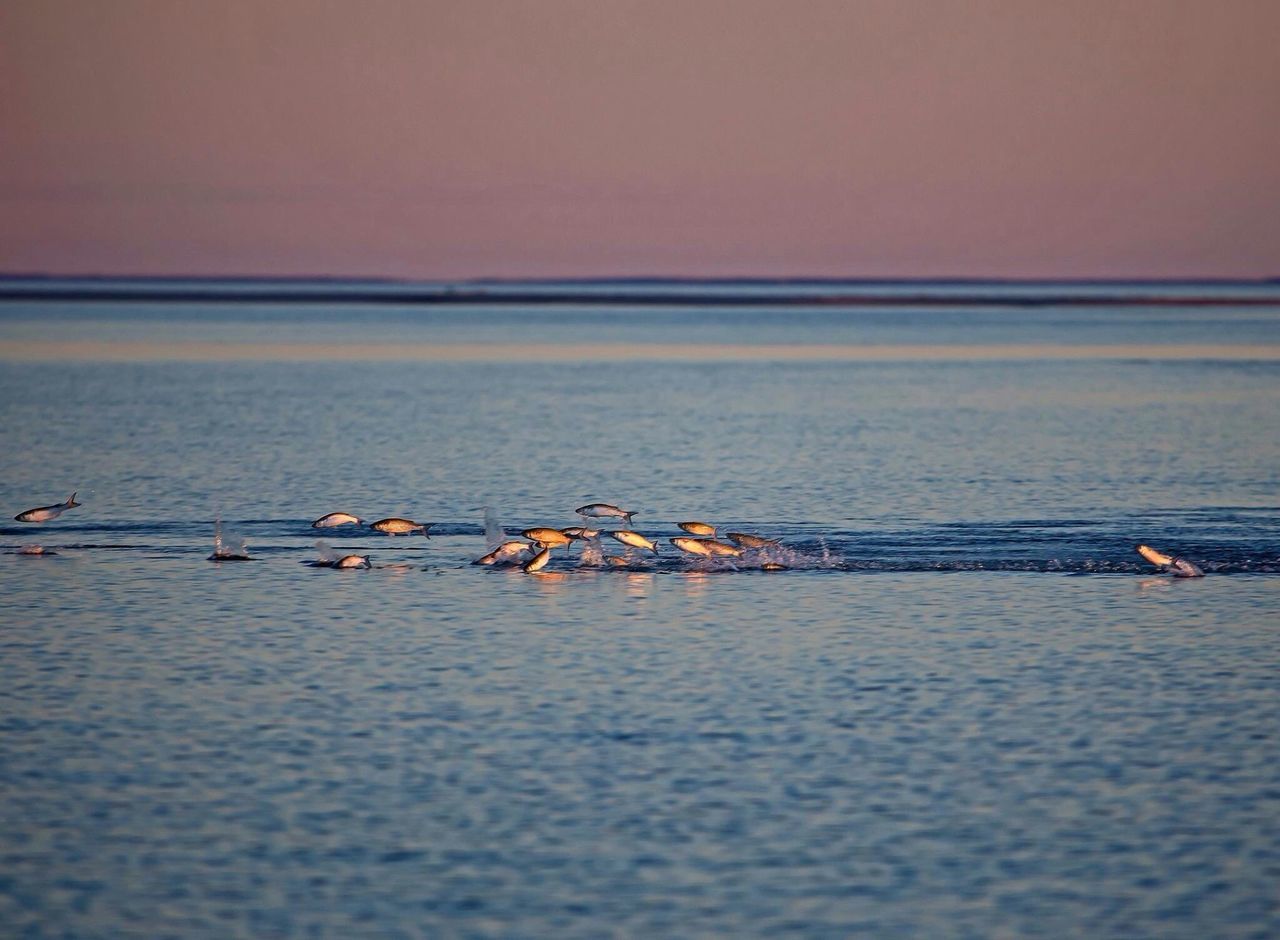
(967, 709)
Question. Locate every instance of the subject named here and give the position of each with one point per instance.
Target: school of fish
(534, 555)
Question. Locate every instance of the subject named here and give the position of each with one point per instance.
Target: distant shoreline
(810, 292)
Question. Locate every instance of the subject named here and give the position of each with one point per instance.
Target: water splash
(494, 534)
(227, 547)
(592, 553)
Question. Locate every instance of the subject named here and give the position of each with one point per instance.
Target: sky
(596, 138)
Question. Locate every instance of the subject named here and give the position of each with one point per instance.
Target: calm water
(968, 708)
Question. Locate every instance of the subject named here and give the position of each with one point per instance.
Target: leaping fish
(722, 548)
(508, 553)
(1178, 567)
(751, 541)
(634, 539)
(580, 532)
(604, 511)
(691, 546)
(397, 526)
(538, 562)
(698, 528)
(353, 561)
(336, 518)
(45, 513)
(547, 537)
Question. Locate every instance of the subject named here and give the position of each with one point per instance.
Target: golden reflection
(695, 582)
(639, 583)
(549, 579)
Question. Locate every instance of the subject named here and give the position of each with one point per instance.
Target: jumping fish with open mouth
(634, 539)
(547, 537)
(45, 513)
(394, 525)
(1178, 567)
(604, 511)
(335, 519)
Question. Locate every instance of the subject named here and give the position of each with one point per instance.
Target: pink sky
(595, 138)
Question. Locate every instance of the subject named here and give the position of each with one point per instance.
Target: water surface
(967, 709)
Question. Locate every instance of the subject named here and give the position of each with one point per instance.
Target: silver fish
(634, 539)
(751, 541)
(604, 511)
(580, 532)
(45, 513)
(698, 528)
(336, 518)
(722, 548)
(538, 562)
(1178, 567)
(397, 526)
(508, 553)
(546, 537)
(353, 561)
(691, 546)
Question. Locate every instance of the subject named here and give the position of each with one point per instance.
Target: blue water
(968, 708)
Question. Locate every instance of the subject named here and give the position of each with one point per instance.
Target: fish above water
(45, 513)
(335, 519)
(394, 525)
(698, 528)
(508, 553)
(715, 547)
(353, 561)
(547, 537)
(604, 511)
(1178, 567)
(751, 541)
(634, 539)
(691, 546)
(580, 532)
(538, 561)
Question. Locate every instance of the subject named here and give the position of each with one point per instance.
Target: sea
(952, 700)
